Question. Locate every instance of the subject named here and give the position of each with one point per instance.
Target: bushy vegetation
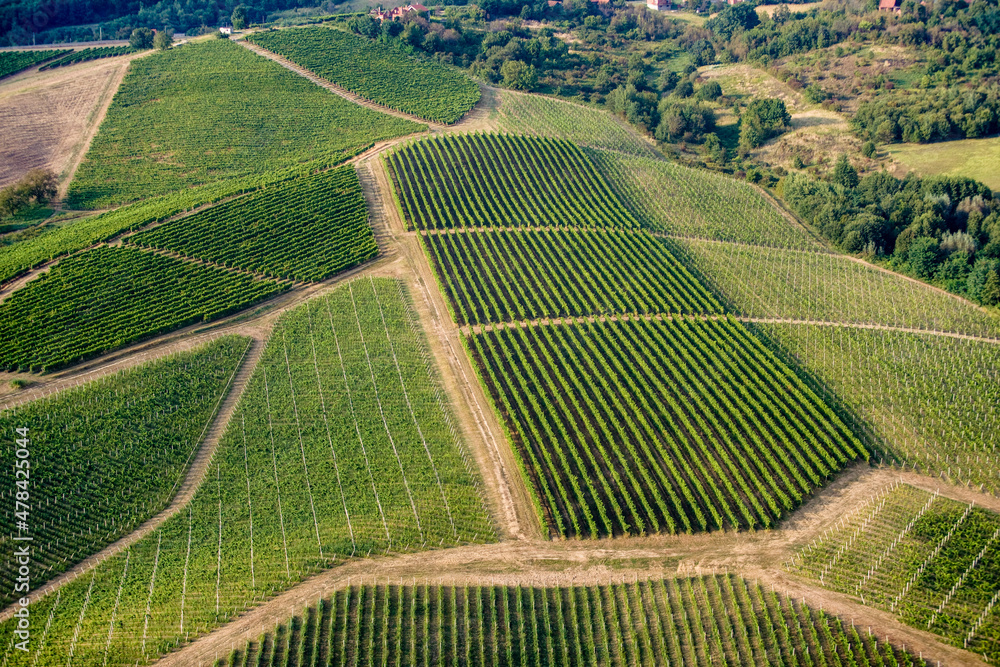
(183, 117)
(932, 561)
(37, 187)
(936, 114)
(304, 229)
(106, 298)
(342, 445)
(12, 62)
(643, 426)
(110, 454)
(505, 181)
(930, 403)
(943, 229)
(528, 274)
(662, 622)
(377, 72)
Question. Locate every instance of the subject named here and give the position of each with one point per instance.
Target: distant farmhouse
(397, 13)
(226, 30)
(890, 6)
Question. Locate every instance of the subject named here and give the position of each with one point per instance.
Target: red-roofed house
(398, 12)
(890, 6)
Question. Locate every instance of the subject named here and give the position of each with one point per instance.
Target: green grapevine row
(109, 297)
(377, 71)
(341, 445)
(526, 274)
(490, 180)
(306, 229)
(698, 621)
(644, 426)
(696, 203)
(110, 454)
(593, 127)
(54, 241)
(212, 110)
(12, 62)
(933, 561)
(776, 283)
(85, 55)
(930, 403)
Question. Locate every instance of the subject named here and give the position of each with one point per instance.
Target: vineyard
(924, 402)
(106, 298)
(773, 283)
(12, 62)
(342, 445)
(584, 126)
(933, 561)
(85, 55)
(110, 454)
(719, 619)
(54, 241)
(644, 426)
(305, 229)
(526, 274)
(490, 180)
(376, 71)
(696, 203)
(183, 117)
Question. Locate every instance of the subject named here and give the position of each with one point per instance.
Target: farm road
(753, 555)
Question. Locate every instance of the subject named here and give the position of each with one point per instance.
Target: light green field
(975, 158)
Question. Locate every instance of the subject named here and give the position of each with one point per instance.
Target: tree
(366, 26)
(239, 17)
(163, 40)
(734, 17)
(868, 149)
(923, 256)
(141, 38)
(518, 75)
(37, 187)
(710, 91)
(763, 119)
(845, 174)
(991, 290)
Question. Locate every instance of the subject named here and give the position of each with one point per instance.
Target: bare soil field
(47, 118)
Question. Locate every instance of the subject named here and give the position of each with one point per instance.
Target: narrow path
(586, 319)
(753, 555)
(192, 479)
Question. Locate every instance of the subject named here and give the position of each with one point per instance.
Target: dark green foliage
(868, 149)
(110, 454)
(305, 229)
(109, 297)
(930, 115)
(761, 120)
(379, 72)
(239, 17)
(37, 187)
(844, 173)
(685, 120)
(647, 426)
(940, 228)
(15, 61)
(163, 40)
(213, 110)
(657, 622)
(710, 91)
(733, 18)
(141, 39)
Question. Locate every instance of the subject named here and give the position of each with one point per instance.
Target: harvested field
(46, 118)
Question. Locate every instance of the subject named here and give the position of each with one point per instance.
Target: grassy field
(973, 158)
(342, 446)
(210, 110)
